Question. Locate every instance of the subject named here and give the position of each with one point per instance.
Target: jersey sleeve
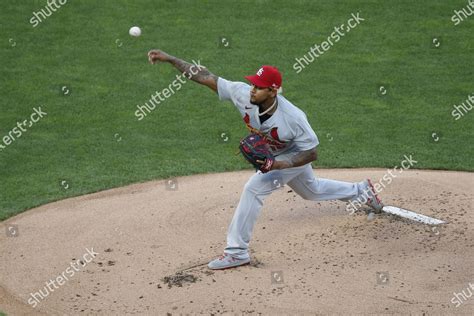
(234, 91)
(305, 138)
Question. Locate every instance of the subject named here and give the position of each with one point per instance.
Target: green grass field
(91, 139)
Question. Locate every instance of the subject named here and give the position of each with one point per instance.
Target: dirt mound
(144, 249)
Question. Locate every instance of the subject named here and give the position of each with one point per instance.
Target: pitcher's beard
(260, 107)
(259, 104)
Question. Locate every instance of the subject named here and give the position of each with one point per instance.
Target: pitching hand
(157, 55)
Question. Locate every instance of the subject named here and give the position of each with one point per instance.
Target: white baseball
(135, 31)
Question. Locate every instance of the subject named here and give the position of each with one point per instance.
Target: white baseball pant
(301, 179)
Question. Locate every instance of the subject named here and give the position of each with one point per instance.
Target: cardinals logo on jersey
(274, 140)
(271, 137)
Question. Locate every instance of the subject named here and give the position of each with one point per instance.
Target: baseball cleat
(372, 199)
(227, 261)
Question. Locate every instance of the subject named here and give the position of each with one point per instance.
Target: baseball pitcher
(289, 146)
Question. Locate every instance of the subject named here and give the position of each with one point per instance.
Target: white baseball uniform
(288, 132)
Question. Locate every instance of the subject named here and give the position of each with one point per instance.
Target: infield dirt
(154, 243)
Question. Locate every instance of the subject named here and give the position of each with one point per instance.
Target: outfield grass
(79, 46)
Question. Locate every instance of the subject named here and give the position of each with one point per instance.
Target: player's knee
(252, 186)
(310, 191)
(257, 185)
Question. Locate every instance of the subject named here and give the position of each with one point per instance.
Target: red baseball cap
(266, 77)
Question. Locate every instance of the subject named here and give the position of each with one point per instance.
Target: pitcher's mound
(144, 249)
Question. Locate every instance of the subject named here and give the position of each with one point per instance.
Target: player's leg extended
(317, 189)
(257, 188)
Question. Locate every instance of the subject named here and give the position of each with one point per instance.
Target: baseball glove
(255, 148)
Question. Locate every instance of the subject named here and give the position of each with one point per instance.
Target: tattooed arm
(194, 71)
(299, 159)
